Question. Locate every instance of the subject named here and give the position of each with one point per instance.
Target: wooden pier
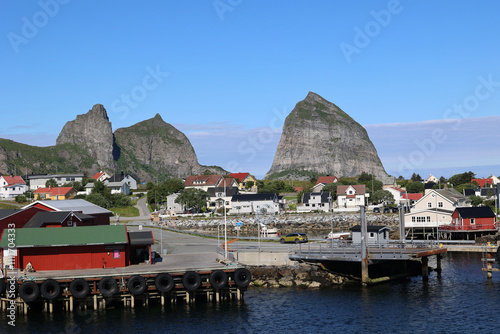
(133, 286)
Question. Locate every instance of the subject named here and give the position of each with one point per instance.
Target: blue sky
(228, 72)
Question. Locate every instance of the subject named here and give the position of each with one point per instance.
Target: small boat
(338, 235)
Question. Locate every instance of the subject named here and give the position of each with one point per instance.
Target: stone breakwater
(302, 275)
(306, 223)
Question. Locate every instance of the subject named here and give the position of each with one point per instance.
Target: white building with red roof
(101, 176)
(323, 181)
(11, 186)
(202, 182)
(351, 196)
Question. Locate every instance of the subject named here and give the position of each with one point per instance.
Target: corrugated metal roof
(141, 238)
(68, 236)
(476, 212)
(73, 205)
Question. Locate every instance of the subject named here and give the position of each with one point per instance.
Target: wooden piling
(425, 268)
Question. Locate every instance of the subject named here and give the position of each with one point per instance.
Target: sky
(423, 77)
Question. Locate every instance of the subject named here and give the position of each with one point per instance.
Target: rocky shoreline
(302, 275)
(316, 223)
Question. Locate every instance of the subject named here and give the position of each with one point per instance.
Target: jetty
(185, 277)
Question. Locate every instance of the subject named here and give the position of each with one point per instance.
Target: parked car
(294, 237)
(387, 210)
(376, 210)
(395, 210)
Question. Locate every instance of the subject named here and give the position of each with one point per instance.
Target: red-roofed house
(11, 186)
(101, 176)
(227, 183)
(56, 193)
(351, 196)
(483, 182)
(323, 181)
(202, 182)
(242, 179)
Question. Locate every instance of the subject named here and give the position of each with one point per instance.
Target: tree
(249, 185)
(364, 177)
(100, 188)
(442, 180)
(20, 198)
(401, 178)
(383, 196)
(415, 187)
(332, 189)
(120, 200)
(98, 199)
(193, 198)
(51, 183)
(159, 193)
(416, 177)
(462, 178)
(475, 200)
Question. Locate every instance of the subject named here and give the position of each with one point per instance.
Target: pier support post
(51, 307)
(489, 263)
(438, 263)
(71, 303)
(25, 308)
(132, 301)
(365, 279)
(95, 303)
(162, 298)
(425, 268)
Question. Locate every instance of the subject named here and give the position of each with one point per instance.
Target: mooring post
(95, 303)
(425, 268)
(162, 298)
(489, 262)
(365, 279)
(71, 303)
(402, 235)
(438, 263)
(132, 301)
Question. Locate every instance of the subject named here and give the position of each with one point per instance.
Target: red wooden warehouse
(470, 222)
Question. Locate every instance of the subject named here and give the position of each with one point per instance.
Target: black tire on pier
(29, 291)
(242, 277)
(218, 279)
(136, 285)
(164, 282)
(297, 241)
(108, 286)
(191, 280)
(79, 288)
(50, 289)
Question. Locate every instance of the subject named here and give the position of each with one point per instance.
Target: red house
(73, 248)
(482, 182)
(16, 217)
(470, 223)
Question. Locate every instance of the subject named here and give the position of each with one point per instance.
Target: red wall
(19, 218)
(70, 257)
(480, 223)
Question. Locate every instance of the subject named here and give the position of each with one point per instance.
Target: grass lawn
(128, 211)
(4, 205)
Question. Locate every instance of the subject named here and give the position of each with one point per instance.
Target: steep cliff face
(318, 137)
(92, 132)
(155, 144)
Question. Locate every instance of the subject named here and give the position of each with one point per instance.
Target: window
(116, 254)
(472, 221)
(428, 219)
(440, 204)
(429, 204)
(70, 223)
(412, 219)
(372, 235)
(350, 192)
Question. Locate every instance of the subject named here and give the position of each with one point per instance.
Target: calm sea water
(461, 300)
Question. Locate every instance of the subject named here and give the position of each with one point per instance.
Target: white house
(322, 182)
(171, 205)
(39, 180)
(434, 209)
(320, 201)
(376, 234)
(11, 186)
(351, 196)
(251, 203)
(219, 195)
(432, 179)
(118, 187)
(123, 178)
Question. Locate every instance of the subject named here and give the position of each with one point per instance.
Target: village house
(323, 181)
(243, 179)
(101, 176)
(470, 222)
(351, 196)
(39, 180)
(431, 179)
(376, 234)
(59, 219)
(202, 182)
(483, 182)
(12, 186)
(434, 209)
(318, 201)
(251, 203)
(101, 215)
(54, 193)
(122, 178)
(221, 196)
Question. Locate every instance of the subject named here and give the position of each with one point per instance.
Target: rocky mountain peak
(318, 137)
(91, 131)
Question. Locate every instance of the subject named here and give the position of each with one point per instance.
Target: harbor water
(460, 300)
